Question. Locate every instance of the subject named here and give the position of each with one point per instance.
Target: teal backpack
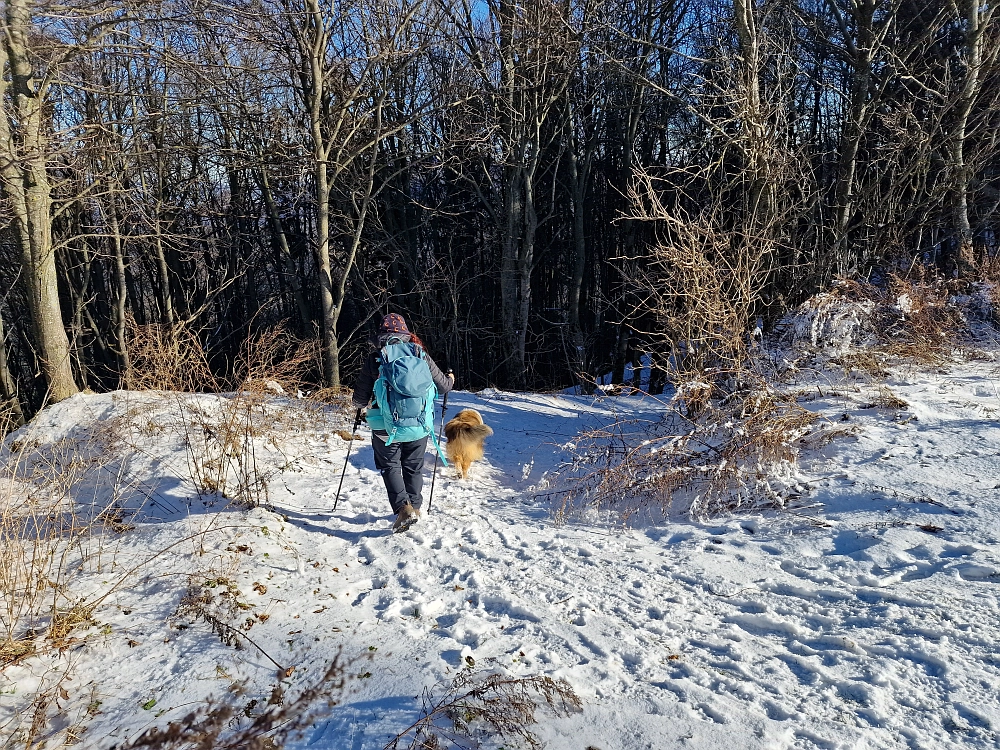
(404, 393)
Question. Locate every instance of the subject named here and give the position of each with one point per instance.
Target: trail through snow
(867, 618)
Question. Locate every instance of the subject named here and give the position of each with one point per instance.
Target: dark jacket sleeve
(442, 381)
(364, 388)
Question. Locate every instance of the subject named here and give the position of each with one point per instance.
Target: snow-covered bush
(979, 304)
(912, 318)
(832, 321)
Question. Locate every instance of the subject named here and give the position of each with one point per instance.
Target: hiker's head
(393, 323)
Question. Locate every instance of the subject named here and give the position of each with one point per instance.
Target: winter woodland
(721, 276)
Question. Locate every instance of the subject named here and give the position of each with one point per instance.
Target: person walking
(396, 391)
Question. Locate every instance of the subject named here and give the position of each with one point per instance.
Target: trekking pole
(444, 408)
(357, 423)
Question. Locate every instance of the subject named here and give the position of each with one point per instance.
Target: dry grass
(233, 725)
(492, 703)
(886, 399)
(9, 420)
(232, 440)
(165, 358)
(734, 453)
(920, 324)
(58, 517)
(869, 362)
(60, 522)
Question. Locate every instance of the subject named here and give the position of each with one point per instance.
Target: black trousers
(402, 467)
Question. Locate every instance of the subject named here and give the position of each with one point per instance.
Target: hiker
(399, 441)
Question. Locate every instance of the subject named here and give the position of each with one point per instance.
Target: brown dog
(465, 434)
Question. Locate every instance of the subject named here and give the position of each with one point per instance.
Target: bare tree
(980, 48)
(24, 153)
(344, 63)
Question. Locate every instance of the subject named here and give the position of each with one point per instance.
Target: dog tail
(478, 431)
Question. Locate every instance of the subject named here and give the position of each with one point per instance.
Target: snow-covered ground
(865, 618)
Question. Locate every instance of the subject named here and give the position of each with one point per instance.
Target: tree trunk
(755, 140)
(578, 189)
(976, 22)
(121, 299)
(861, 52)
(314, 42)
(25, 182)
(525, 264)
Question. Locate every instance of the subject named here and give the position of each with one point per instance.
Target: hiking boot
(406, 517)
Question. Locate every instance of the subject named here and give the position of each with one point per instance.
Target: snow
(864, 617)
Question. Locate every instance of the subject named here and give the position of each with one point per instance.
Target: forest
(545, 189)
